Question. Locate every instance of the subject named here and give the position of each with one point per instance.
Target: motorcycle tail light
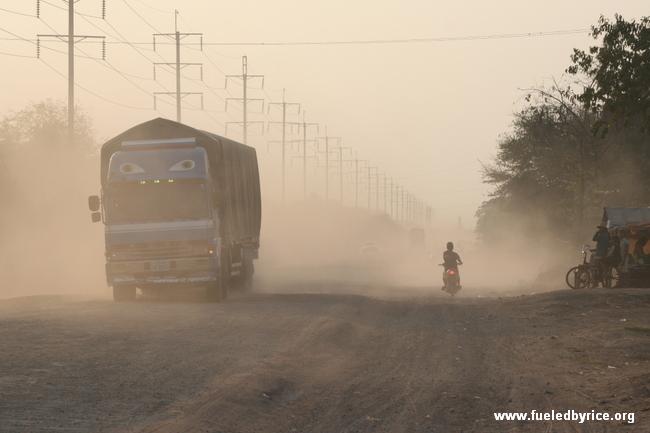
(451, 272)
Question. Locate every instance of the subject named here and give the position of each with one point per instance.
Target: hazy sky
(427, 113)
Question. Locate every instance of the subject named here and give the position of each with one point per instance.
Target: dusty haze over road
(426, 113)
(345, 328)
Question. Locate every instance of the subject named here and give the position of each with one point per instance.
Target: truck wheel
(248, 269)
(122, 293)
(215, 292)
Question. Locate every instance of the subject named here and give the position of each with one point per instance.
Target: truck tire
(218, 291)
(248, 270)
(123, 293)
(215, 292)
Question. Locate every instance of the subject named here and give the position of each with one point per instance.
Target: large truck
(181, 207)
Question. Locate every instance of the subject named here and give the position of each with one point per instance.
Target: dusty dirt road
(323, 363)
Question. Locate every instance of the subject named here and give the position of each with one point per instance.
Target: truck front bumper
(175, 271)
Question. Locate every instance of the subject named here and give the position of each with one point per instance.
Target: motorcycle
(451, 278)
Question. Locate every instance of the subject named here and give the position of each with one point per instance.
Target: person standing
(602, 241)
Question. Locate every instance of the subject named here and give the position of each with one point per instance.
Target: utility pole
(390, 207)
(385, 186)
(284, 104)
(305, 125)
(71, 69)
(369, 184)
(303, 155)
(377, 192)
(414, 209)
(405, 205)
(244, 77)
(177, 66)
(71, 38)
(327, 139)
(409, 207)
(397, 195)
(356, 180)
(341, 148)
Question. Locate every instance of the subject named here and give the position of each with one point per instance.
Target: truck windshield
(156, 201)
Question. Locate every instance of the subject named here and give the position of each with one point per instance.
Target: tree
(571, 153)
(39, 164)
(44, 123)
(540, 172)
(619, 73)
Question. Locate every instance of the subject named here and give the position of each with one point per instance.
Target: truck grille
(158, 250)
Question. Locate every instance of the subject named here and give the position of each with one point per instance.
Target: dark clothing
(602, 242)
(614, 254)
(451, 259)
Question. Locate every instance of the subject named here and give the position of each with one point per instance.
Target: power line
(141, 17)
(153, 8)
(122, 39)
(97, 95)
(121, 72)
(244, 77)
(139, 51)
(17, 13)
(2, 53)
(441, 39)
(177, 36)
(284, 104)
(136, 49)
(66, 9)
(408, 40)
(34, 42)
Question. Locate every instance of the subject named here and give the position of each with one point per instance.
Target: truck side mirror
(96, 217)
(93, 203)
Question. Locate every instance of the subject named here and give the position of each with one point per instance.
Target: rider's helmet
(450, 246)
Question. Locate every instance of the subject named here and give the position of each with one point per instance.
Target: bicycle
(591, 273)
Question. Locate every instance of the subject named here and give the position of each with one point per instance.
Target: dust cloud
(324, 247)
(47, 242)
(49, 245)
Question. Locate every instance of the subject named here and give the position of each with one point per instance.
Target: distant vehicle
(369, 249)
(181, 208)
(417, 239)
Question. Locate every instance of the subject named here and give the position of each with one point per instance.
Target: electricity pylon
(244, 77)
(71, 38)
(284, 105)
(327, 138)
(178, 66)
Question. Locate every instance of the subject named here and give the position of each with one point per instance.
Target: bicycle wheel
(577, 278)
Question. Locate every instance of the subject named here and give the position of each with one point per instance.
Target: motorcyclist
(451, 260)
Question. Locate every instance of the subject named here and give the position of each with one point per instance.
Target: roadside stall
(631, 228)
